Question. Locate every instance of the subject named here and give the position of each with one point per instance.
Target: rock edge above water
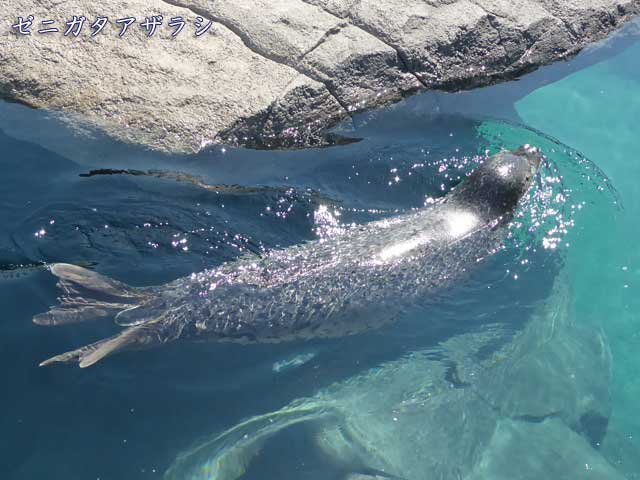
(275, 73)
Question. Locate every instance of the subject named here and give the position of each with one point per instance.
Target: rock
(406, 417)
(571, 361)
(278, 73)
(623, 452)
(559, 453)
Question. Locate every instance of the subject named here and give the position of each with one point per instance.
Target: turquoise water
(597, 111)
(532, 358)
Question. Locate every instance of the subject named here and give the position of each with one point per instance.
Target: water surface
(133, 415)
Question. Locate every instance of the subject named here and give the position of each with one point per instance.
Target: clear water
(438, 392)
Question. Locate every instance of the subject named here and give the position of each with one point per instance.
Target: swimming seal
(341, 286)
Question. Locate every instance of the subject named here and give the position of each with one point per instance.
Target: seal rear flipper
(79, 355)
(132, 338)
(89, 296)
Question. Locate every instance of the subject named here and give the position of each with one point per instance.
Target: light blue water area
(505, 375)
(597, 111)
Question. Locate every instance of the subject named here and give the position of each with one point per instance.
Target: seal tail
(89, 296)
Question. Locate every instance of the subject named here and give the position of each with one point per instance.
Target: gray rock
(572, 362)
(278, 73)
(559, 453)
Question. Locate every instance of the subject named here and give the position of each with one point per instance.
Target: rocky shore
(271, 73)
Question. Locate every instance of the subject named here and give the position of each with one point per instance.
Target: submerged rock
(544, 450)
(406, 417)
(271, 74)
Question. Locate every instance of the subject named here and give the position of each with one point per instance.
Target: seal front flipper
(91, 296)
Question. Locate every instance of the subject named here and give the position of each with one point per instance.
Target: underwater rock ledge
(277, 73)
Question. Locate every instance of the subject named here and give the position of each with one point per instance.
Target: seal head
(494, 189)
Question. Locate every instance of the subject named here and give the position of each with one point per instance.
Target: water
(494, 351)
(596, 111)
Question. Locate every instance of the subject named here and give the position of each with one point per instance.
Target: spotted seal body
(340, 286)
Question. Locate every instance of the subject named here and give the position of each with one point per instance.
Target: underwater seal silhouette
(348, 284)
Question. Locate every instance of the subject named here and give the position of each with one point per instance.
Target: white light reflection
(505, 170)
(401, 249)
(462, 223)
(458, 223)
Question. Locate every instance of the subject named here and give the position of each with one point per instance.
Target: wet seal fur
(345, 285)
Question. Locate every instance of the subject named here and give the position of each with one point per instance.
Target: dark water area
(131, 416)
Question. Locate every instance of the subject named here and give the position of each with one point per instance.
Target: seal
(360, 280)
